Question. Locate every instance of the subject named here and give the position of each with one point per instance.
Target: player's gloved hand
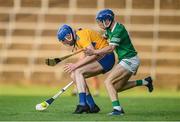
(52, 61)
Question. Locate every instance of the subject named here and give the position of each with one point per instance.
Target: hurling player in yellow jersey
(88, 66)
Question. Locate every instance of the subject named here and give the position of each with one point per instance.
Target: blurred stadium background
(28, 36)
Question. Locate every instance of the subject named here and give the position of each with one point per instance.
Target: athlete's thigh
(118, 73)
(91, 69)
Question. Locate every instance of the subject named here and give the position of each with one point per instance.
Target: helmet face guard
(70, 40)
(63, 32)
(104, 15)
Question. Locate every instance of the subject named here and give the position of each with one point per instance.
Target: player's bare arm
(102, 51)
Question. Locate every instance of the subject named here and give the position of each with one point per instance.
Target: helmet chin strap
(74, 37)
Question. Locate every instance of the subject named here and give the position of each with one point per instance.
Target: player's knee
(79, 71)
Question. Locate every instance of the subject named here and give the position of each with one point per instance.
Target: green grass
(18, 103)
(139, 108)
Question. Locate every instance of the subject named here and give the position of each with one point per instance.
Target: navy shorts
(107, 62)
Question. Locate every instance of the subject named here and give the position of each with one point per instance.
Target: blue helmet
(63, 31)
(105, 14)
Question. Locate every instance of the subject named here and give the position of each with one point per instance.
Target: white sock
(117, 108)
(144, 82)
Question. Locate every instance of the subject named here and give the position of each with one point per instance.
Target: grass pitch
(23, 108)
(138, 105)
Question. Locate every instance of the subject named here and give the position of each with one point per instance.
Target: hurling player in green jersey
(120, 42)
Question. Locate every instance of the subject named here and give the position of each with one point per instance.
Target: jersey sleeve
(115, 39)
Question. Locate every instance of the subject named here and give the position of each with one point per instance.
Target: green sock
(116, 105)
(139, 82)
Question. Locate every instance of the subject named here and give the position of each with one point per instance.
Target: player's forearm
(85, 60)
(104, 50)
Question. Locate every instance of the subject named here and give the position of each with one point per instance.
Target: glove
(52, 62)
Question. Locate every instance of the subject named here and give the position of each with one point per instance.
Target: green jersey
(119, 37)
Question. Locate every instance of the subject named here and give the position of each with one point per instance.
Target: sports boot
(117, 112)
(81, 109)
(94, 109)
(150, 83)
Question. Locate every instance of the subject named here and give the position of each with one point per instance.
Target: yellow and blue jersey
(85, 37)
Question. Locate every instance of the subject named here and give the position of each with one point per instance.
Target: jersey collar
(114, 27)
